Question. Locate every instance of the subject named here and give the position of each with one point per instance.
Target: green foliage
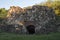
(3, 14)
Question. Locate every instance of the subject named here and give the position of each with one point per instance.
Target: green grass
(10, 36)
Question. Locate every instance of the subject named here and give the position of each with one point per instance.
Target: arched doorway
(31, 29)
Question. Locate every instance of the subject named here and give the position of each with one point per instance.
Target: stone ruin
(34, 20)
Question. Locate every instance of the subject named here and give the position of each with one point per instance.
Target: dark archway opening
(31, 29)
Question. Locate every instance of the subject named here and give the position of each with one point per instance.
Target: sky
(21, 3)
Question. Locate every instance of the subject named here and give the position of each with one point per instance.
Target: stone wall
(42, 17)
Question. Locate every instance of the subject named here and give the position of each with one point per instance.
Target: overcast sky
(22, 3)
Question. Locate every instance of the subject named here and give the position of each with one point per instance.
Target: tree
(3, 14)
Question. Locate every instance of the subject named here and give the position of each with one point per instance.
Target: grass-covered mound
(10, 36)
